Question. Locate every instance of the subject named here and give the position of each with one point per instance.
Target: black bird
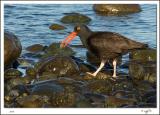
(105, 45)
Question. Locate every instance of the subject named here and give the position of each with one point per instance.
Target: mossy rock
(35, 48)
(75, 18)
(31, 101)
(30, 71)
(47, 89)
(12, 73)
(100, 86)
(56, 27)
(116, 9)
(54, 50)
(67, 98)
(143, 55)
(60, 66)
(143, 71)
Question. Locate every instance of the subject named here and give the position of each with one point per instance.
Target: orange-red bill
(66, 41)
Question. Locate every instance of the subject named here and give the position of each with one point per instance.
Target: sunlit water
(31, 23)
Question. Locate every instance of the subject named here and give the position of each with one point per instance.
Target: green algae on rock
(56, 27)
(54, 50)
(143, 55)
(12, 73)
(75, 18)
(60, 66)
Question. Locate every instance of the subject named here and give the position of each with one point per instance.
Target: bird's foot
(114, 76)
(92, 74)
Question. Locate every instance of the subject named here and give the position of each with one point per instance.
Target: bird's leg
(99, 69)
(114, 68)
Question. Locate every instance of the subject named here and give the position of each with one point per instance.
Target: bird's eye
(78, 28)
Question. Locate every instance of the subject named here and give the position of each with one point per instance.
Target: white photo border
(75, 110)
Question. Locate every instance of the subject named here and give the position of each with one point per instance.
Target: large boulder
(116, 9)
(142, 65)
(59, 66)
(12, 48)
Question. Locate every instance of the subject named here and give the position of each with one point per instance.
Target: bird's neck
(84, 37)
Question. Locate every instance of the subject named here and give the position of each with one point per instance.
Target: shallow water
(31, 23)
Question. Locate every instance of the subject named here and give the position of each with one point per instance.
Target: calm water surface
(31, 23)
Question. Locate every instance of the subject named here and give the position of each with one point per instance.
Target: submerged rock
(56, 27)
(75, 18)
(54, 50)
(60, 66)
(116, 9)
(35, 48)
(12, 49)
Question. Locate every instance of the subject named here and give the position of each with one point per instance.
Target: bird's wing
(108, 41)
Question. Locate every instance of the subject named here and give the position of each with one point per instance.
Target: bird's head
(79, 30)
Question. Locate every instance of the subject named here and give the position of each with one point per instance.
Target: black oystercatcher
(105, 45)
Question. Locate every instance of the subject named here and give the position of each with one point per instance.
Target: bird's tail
(138, 45)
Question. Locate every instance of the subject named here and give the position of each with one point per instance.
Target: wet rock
(75, 18)
(47, 89)
(147, 105)
(143, 87)
(54, 50)
(100, 86)
(24, 63)
(152, 99)
(116, 9)
(76, 86)
(64, 99)
(19, 81)
(143, 71)
(117, 102)
(127, 94)
(35, 48)
(143, 55)
(37, 55)
(31, 72)
(60, 66)
(97, 100)
(12, 73)
(47, 76)
(12, 48)
(83, 104)
(123, 84)
(17, 91)
(56, 27)
(31, 101)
